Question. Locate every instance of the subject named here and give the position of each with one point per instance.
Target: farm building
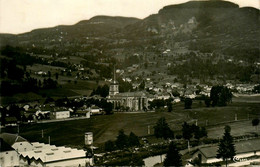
(244, 149)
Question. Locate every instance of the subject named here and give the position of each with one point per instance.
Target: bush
(187, 103)
(178, 136)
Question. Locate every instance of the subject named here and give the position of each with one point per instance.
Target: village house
(164, 95)
(16, 142)
(94, 110)
(8, 156)
(61, 114)
(10, 121)
(83, 113)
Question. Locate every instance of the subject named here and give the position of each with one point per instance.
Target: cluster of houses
(17, 151)
(36, 114)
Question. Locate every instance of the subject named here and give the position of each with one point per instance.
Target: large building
(17, 151)
(134, 101)
(51, 156)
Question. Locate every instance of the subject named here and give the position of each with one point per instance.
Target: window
(67, 151)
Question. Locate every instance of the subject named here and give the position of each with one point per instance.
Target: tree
(186, 131)
(255, 122)
(256, 89)
(102, 91)
(197, 160)
(220, 95)
(133, 140)
(109, 145)
(49, 74)
(121, 141)
(169, 106)
(162, 129)
(187, 103)
(207, 101)
(142, 85)
(173, 157)
(56, 76)
(15, 111)
(107, 106)
(3, 115)
(203, 132)
(226, 148)
(136, 160)
(200, 132)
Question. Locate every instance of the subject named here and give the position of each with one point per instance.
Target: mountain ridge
(194, 20)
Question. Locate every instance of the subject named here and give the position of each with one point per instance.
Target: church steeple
(114, 87)
(114, 75)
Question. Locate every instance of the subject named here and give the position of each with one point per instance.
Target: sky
(19, 16)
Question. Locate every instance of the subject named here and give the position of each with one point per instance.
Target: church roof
(130, 94)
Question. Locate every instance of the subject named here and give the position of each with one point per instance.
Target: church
(134, 101)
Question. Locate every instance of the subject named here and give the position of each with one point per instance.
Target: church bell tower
(114, 86)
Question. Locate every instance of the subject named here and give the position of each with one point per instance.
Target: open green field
(239, 128)
(106, 127)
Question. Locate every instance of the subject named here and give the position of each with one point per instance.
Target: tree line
(122, 141)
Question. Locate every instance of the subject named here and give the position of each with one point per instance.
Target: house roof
(4, 146)
(11, 138)
(240, 147)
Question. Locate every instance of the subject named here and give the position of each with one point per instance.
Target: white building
(94, 110)
(62, 114)
(16, 151)
(51, 156)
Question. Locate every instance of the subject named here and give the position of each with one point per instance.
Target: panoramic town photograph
(148, 83)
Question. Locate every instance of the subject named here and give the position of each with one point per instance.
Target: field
(106, 127)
